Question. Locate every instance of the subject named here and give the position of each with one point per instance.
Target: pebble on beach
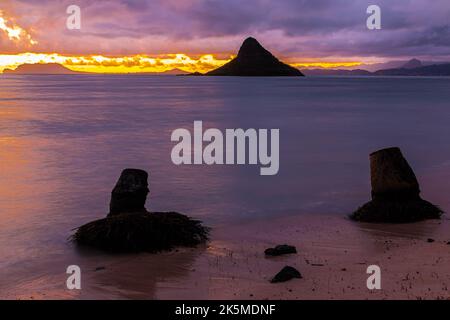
(280, 250)
(286, 274)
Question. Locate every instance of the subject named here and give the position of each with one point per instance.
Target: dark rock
(147, 232)
(130, 228)
(130, 193)
(255, 61)
(397, 211)
(286, 274)
(429, 240)
(391, 175)
(280, 250)
(395, 192)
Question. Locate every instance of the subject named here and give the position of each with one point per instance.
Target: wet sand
(333, 255)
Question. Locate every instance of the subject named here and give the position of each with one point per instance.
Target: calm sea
(65, 139)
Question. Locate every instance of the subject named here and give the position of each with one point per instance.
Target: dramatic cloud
(296, 30)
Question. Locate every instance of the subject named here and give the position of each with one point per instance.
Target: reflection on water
(416, 230)
(65, 139)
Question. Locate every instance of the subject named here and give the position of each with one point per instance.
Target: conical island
(255, 61)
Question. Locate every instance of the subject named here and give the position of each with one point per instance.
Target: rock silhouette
(280, 250)
(130, 192)
(129, 227)
(395, 191)
(391, 175)
(255, 61)
(41, 69)
(286, 274)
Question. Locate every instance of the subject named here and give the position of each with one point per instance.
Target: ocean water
(65, 139)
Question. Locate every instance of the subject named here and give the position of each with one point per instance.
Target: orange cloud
(139, 63)
(125, 64)
(14, 32)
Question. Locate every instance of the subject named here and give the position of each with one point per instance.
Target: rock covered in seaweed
(143, 231)
(129, 227)
(395, 192)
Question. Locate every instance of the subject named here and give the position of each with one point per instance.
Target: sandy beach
(333, 255)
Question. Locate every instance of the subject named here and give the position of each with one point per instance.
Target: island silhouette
(40, 68)
(253, 60)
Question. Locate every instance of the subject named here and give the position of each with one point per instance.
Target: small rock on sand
(280, 250)
(286, 274)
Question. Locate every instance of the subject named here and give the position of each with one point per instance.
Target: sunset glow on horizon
(128, 36)
(125, 64)
(133, 63)
(138, 63)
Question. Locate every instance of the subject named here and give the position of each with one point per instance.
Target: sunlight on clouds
(142, 63)
(138, 63)
(126, 64)
(15, 32)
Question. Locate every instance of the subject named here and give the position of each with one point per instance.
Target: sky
(197, 35)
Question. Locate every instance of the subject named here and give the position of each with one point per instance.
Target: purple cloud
(290, 28)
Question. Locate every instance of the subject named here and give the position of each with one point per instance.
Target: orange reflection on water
(15, 171)
(20, 169)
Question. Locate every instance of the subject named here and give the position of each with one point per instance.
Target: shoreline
(333, 255)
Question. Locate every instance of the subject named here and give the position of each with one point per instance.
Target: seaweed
(142, 231)
(397, 211)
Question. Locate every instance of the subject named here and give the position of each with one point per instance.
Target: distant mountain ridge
(433, 70)
(413, 63)
(171, 72)
(395, 64)
(56, 68)
(40, 68)
(413, 67)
